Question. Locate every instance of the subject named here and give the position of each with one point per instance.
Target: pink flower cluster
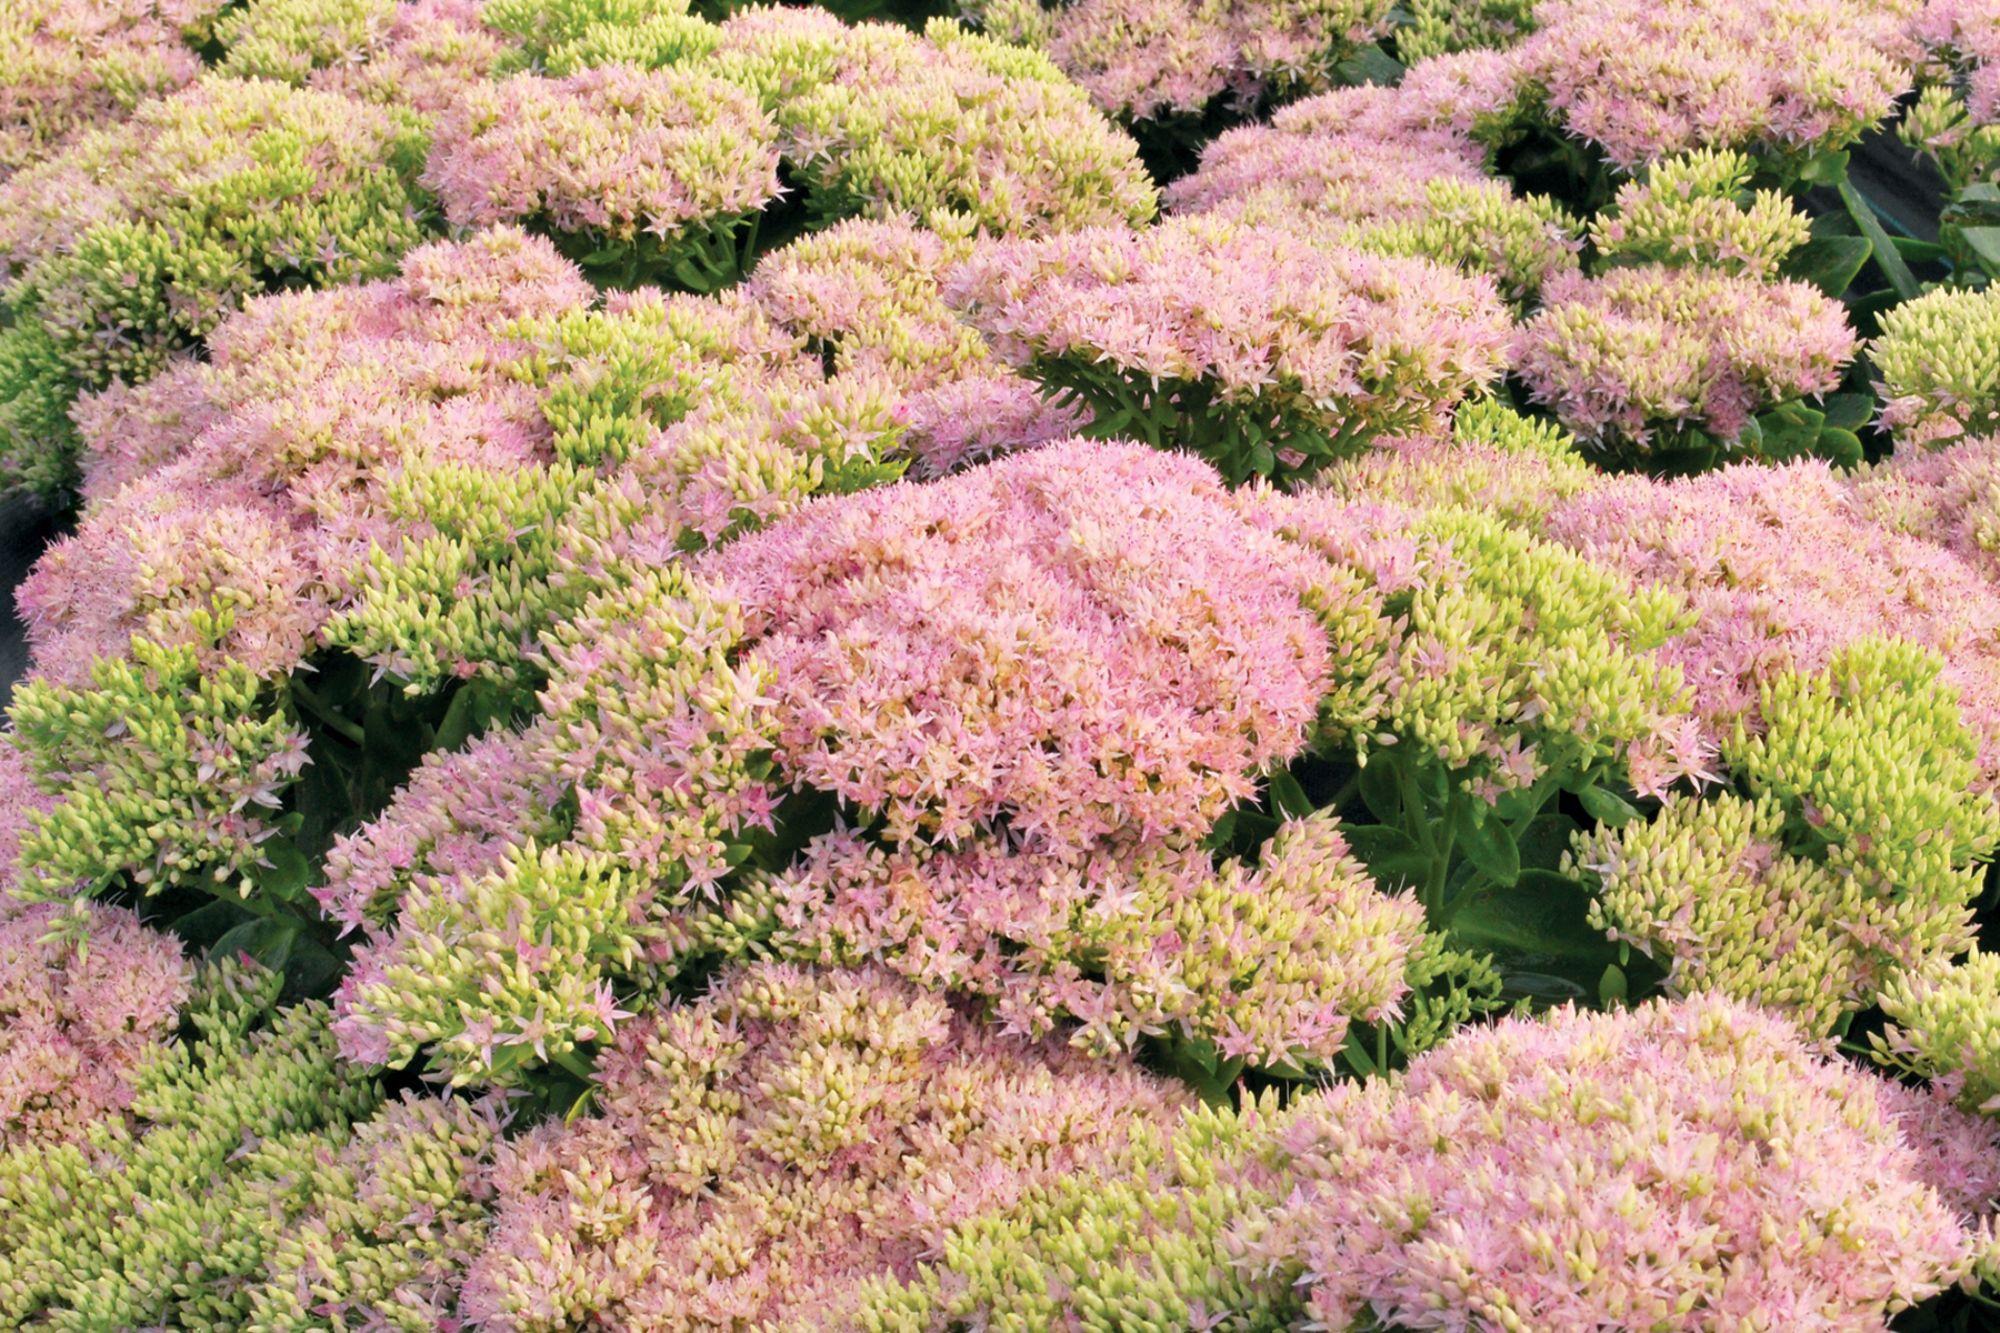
(1784, 567)
(1266, 963)
(1149, 59)
(237, 501)
(1949, 496)
(758, 1154)
(1410, 187)
(1312, 338)
(1001, 649)
(1683, 1166)
(613, 153)
(421, 58)
(1468, 645)
(70, 65)
(1966, 33)
(1345, 171)
(1638, 351)
(1645, 79)
(1154, 59)
(87, 994)
(175, 560)
(866, 294)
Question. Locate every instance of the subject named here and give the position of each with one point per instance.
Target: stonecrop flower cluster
(1273, 354)
(1312, 665)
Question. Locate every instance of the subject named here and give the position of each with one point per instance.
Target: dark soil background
(25, 528)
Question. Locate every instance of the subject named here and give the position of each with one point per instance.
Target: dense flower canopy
(1001, 649)
(1311, 666)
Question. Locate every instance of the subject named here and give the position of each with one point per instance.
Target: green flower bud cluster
(140, 238)
(1707, 888)
(1944, 1024)
(1698, 209)
(1439, 27)
(873, 120)
(702, 419)
(1937, 366)
(1938, 126)
(287, 40)
(396, 1217)
(676, 422)
(465, 599)
(1850, 865)
(667, 37)
(166, 773)
(1274, 959)
(504, 972)
(1877, 771)
(1481, 226)
(542, 27)
(606, 379)
(168, 1223)
(1142, 1245)
(662, 742)
(38, 442)
(1520, 659)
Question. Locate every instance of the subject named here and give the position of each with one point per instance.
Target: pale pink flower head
(1966, 35)
(1148, 59)
(866, 295)
(130, 430)
(1077, 642)
(1629, 358)
(1455, 102)
(1164, 59)
(67, 66)
(1645, 79)
(1681, 1166)
(175, 558)
(1335, 171)
(1948, 495)
(610, 153)
(1252, 324)
(87, 995)
(761, 1153)
(965, 421)
(1470, 99)
(22, 804)
(1412, 192)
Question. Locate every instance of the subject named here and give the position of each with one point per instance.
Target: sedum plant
(1941, 1027)
(644, 175)
(1676, 368)
(1248, 346)
(70, 66)
(1937, 367)
(140, 238)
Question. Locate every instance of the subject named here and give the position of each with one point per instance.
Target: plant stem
(1886, 256)
(568, 1060)
(326, 713)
